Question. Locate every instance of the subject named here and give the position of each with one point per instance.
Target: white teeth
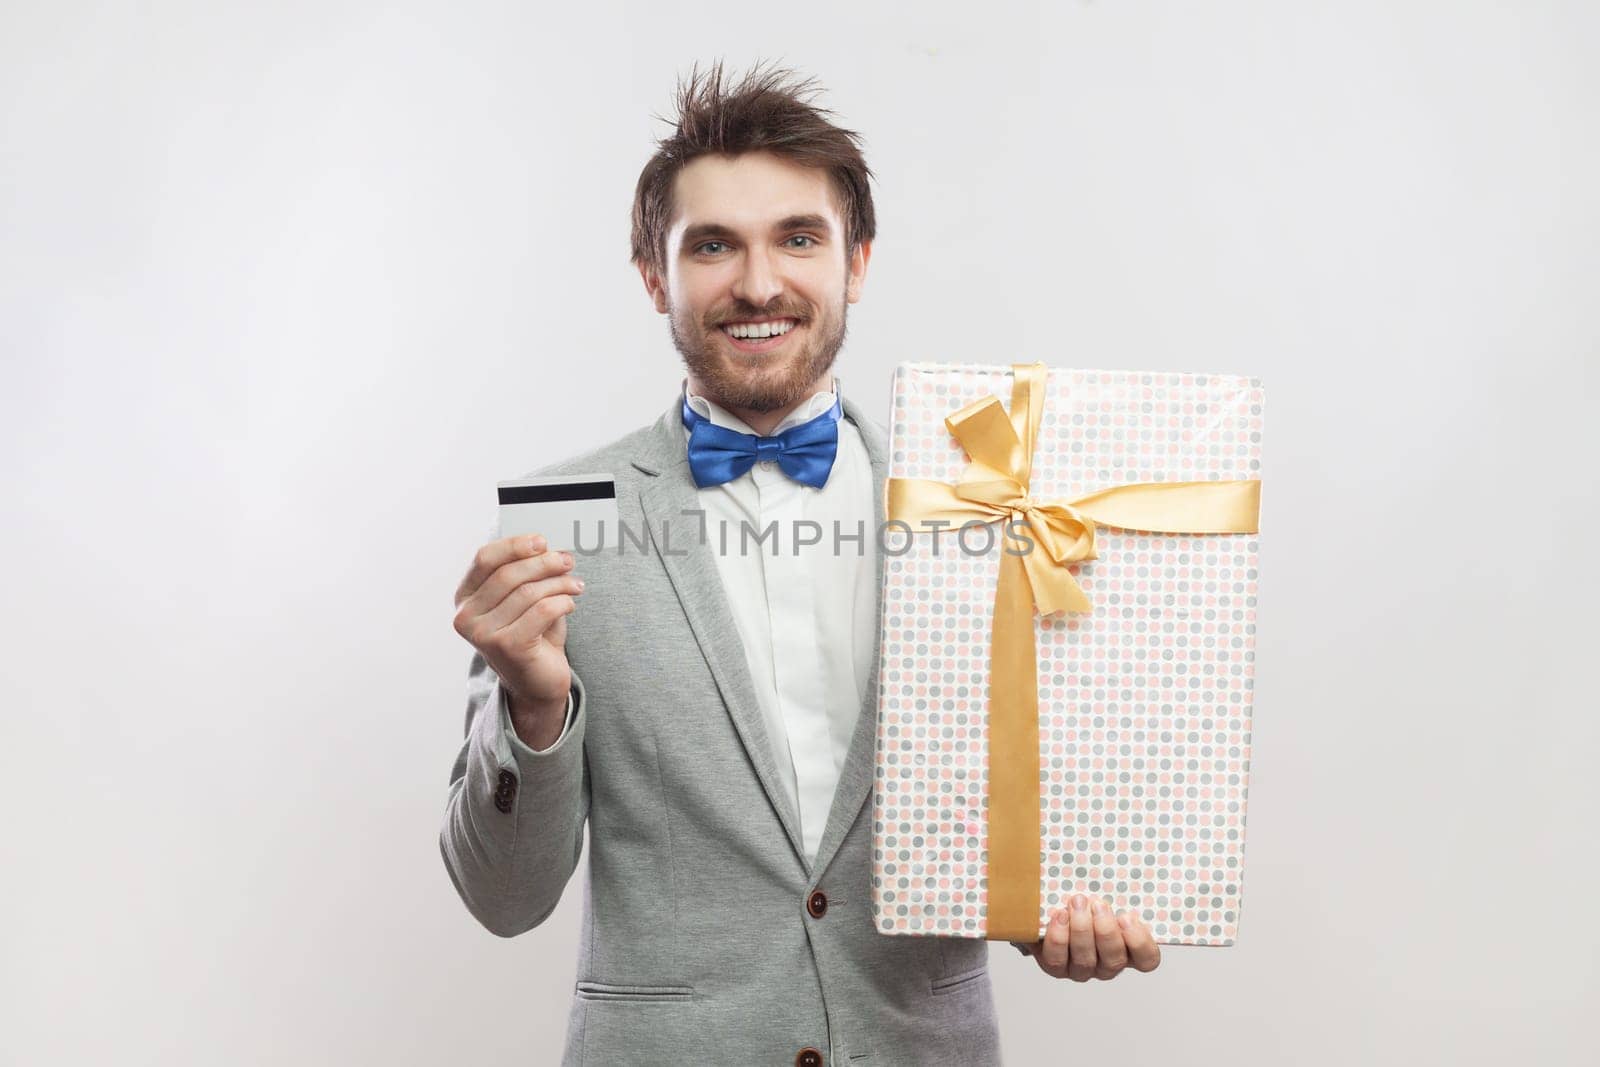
(760, 329)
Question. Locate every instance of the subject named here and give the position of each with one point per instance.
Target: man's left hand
(1090, 942)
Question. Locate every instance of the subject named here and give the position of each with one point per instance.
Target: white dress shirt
(806, 619)
(805, 612)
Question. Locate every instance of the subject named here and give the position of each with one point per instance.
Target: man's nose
(758, 283)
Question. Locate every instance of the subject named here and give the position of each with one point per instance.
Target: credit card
(572, 511)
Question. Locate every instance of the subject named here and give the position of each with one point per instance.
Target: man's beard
(786, 382)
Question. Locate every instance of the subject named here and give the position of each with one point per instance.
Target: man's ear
(653, 286)
(858, 271)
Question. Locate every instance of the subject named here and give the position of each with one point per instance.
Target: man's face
(754, 240)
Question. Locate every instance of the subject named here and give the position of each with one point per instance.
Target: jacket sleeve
(514, 815)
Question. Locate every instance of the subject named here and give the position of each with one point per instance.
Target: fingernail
(580, 584)
(1079, 902)
(1099, 906)
(567, 558)
(1059, 917)
(1125, 921)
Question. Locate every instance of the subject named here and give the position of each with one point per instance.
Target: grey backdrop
(285, 289)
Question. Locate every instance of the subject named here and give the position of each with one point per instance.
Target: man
(710, 711)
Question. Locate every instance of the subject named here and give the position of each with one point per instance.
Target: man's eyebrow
(702, 231)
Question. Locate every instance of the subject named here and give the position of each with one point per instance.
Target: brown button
(817, 903)
(505, 792)
(808, 1057)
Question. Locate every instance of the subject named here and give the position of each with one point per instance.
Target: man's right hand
(512, 606)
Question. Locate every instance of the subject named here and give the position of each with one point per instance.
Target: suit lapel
(692, 568)
(855, 777)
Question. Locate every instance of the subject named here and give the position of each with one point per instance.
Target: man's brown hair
(764, 111)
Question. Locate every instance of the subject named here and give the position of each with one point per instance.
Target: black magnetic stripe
(537, 494)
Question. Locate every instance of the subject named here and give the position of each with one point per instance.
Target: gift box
(1067, 649)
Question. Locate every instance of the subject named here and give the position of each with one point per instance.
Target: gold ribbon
(995, 485)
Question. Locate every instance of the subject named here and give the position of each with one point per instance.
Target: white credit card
(571, 511)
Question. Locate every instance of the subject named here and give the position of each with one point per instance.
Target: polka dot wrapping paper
(1144, 701)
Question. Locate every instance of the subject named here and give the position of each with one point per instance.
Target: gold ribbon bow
(995, 486)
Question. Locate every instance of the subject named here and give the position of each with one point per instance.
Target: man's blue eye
(707, 247)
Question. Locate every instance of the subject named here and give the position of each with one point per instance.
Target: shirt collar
(816, 405)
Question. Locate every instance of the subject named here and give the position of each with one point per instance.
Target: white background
(286, 288)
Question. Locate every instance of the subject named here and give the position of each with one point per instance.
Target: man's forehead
(755, 191)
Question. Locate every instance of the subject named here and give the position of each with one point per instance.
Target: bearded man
(710, 712)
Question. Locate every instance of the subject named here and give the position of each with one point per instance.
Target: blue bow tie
(805, 452)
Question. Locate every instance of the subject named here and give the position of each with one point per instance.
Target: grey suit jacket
(697, 945)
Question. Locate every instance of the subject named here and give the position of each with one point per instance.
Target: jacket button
(506, 792)
(816, 904)
(808, 1057)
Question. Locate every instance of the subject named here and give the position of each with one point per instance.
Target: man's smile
(759, 335)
